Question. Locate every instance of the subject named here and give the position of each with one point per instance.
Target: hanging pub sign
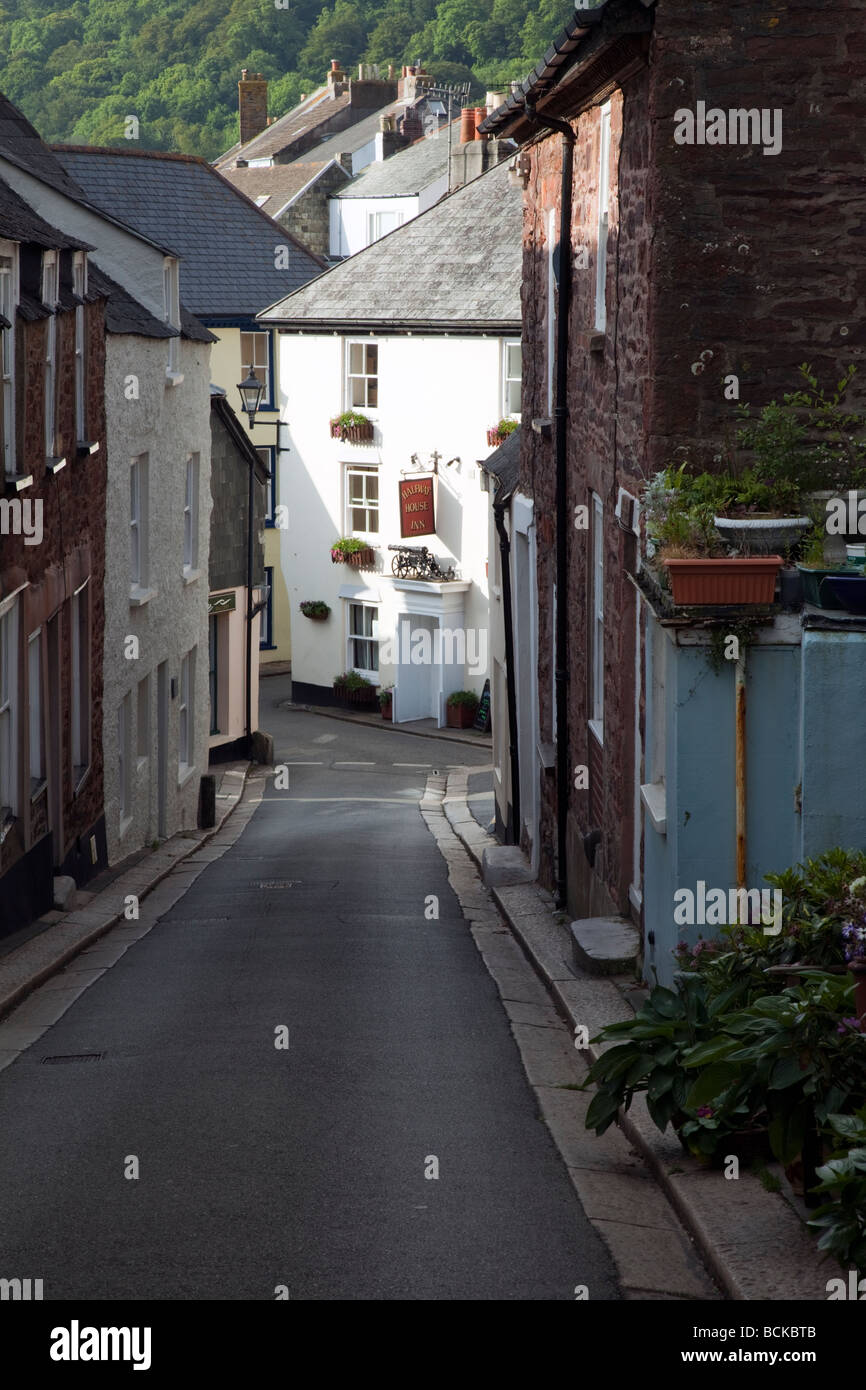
(416, 507)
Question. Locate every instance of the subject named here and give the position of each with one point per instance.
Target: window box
(352, 428)
(728, 581)
(354, 689)
(351, 551)
(499, 433)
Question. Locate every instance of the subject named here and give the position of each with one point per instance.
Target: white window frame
(364, 376)
(375, 220)
(171, 314)
(368, 505)
(139, 499)
(79, 623)
(9, 739)
(258, 346)
(597, 615)
(79, 286)
(508, 347)
(36, 733)
(185, 712)
(352, 636)
(50, 297)
(603, 217)
(9, 294)
(142, 720)
(190, 515)
(124, 760)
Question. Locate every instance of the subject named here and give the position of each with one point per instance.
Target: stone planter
(721, 582)
(762, 535)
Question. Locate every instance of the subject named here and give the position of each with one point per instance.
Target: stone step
(504, 865)
(605, 945)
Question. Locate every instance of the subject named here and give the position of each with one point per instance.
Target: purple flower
(854, 936)
(848, 1025)
(705, 1112)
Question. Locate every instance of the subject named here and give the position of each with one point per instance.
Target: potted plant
(352, 426)
(680, 511)
(461, 709)
(355, 689)
(349, 550)
(499, 433)
(386, 701)
(316, 609)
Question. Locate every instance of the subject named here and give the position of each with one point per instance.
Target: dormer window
(171, 316)
(8, 309)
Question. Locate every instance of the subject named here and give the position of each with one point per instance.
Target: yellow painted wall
(226, 372)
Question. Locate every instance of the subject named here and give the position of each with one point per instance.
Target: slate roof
(406, 172)
(124, 313)
(222, 410)
(19, 222)
(581, 31)
(283, 131)
(226, 244)
(455, 267)
(504, 465)
(23, 146)
(281, 182)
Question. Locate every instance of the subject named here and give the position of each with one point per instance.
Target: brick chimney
(252, 104)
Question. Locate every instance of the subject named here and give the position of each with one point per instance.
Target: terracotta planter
(460, 716)
(734, 581)
(387, 710)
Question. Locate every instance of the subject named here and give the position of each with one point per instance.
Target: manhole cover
(74, 1057)
(278, 883)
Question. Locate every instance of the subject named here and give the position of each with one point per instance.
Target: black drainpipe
(561, 419)
(513, 752)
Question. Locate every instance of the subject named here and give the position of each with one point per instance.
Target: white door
(414, 682)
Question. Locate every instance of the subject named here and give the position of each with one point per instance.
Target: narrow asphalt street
(309, 1166)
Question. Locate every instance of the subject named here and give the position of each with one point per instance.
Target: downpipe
(511, 695)
(560, 414)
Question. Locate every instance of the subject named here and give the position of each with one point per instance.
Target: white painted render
(167, 423)
(435, 394)
(349, 217)
(125, 256)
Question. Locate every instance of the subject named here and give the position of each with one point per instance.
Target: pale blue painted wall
(805, 728)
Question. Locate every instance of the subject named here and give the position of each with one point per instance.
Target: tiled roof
(279, 183)
(227, 246)
(406, 172)
(18, 222)
(457, 266)
(288, 128)
(354, 136)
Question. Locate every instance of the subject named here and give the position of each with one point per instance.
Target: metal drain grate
(278, 883)
(74, 1057)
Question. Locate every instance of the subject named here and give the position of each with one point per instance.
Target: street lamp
(251, 390)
